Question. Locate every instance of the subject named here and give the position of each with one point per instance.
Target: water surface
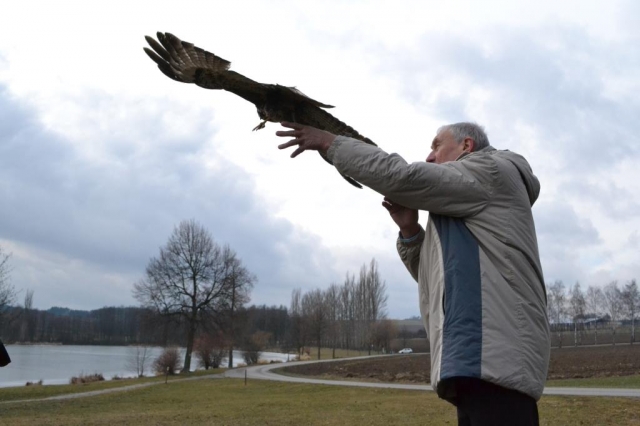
(56, 364)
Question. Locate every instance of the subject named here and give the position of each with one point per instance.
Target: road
(265, 372)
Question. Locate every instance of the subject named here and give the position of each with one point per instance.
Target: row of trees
(104, 326)
(610, 304)
(348, 316)
(133, 326)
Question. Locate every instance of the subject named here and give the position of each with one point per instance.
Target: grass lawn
(37, 392)
(229, 402)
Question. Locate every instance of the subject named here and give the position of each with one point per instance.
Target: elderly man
(480, 283)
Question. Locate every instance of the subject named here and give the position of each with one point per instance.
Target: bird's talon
(260, 126)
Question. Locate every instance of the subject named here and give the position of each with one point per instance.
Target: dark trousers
(481, 403)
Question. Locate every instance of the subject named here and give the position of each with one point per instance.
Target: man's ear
(469, 145)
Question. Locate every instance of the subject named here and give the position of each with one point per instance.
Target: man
(480, 282)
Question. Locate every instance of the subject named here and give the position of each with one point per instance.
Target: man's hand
(404, 217)
(306, 137)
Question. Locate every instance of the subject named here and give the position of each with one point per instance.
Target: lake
(56, 364)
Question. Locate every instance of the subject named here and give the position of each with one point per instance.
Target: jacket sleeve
(410, 253)
(457, 188)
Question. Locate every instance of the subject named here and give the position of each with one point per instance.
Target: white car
(405, 351)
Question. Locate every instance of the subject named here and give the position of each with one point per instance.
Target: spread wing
(182, 61)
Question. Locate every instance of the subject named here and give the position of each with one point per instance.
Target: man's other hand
(404, 217)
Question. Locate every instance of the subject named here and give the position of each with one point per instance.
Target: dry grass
(38, 392)
(86, 378)
(229, 402)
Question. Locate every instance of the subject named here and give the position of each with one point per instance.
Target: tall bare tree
(298, 330)
(631, 303)
(239, 284)
(613, 305)
(314, 307)
(375, 294)
(577, 304)
(189, 279)
(27, 322)
(7, 291)
(594, 302)
(347, 313)
(332, 299)
(557, 302)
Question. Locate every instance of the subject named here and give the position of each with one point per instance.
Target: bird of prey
(182, 61)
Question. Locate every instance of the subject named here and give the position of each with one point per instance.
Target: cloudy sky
(101, 155)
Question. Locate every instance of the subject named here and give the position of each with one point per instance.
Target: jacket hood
(530, 180)
(524, 169)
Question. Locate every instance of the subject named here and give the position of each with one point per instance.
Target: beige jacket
(481, 288)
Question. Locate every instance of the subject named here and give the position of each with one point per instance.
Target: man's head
(454, 139)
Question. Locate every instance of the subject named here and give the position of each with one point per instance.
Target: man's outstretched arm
(438, 188)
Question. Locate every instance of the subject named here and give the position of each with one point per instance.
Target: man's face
(445, 148)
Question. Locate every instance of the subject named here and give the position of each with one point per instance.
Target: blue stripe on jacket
(462, 304)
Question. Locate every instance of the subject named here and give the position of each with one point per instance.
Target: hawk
(182, 61)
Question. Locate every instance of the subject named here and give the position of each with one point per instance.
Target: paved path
(265, 372)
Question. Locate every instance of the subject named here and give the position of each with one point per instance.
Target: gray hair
(460, 131)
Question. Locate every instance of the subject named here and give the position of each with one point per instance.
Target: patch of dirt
(565, 363)
(595, 361)
(395, 369)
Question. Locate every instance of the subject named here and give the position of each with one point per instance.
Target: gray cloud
(550, 78)
(616, 202)
(111, 216)
(563, 239)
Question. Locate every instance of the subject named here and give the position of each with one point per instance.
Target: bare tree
(613, 305)
(239, 284)
(298, 323)
(168, 362)
(631, 302)
(347, 311)
(557, 299)
(7, 291)
(253, 346)
(347, 316)
(594, 301)
(315, 309)
(577, 304)
(376, 299)
(550, 311)
(189, 280)
(139, 358)
(332, 299)
(26, 323)
(384, 331)
(210, 349)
